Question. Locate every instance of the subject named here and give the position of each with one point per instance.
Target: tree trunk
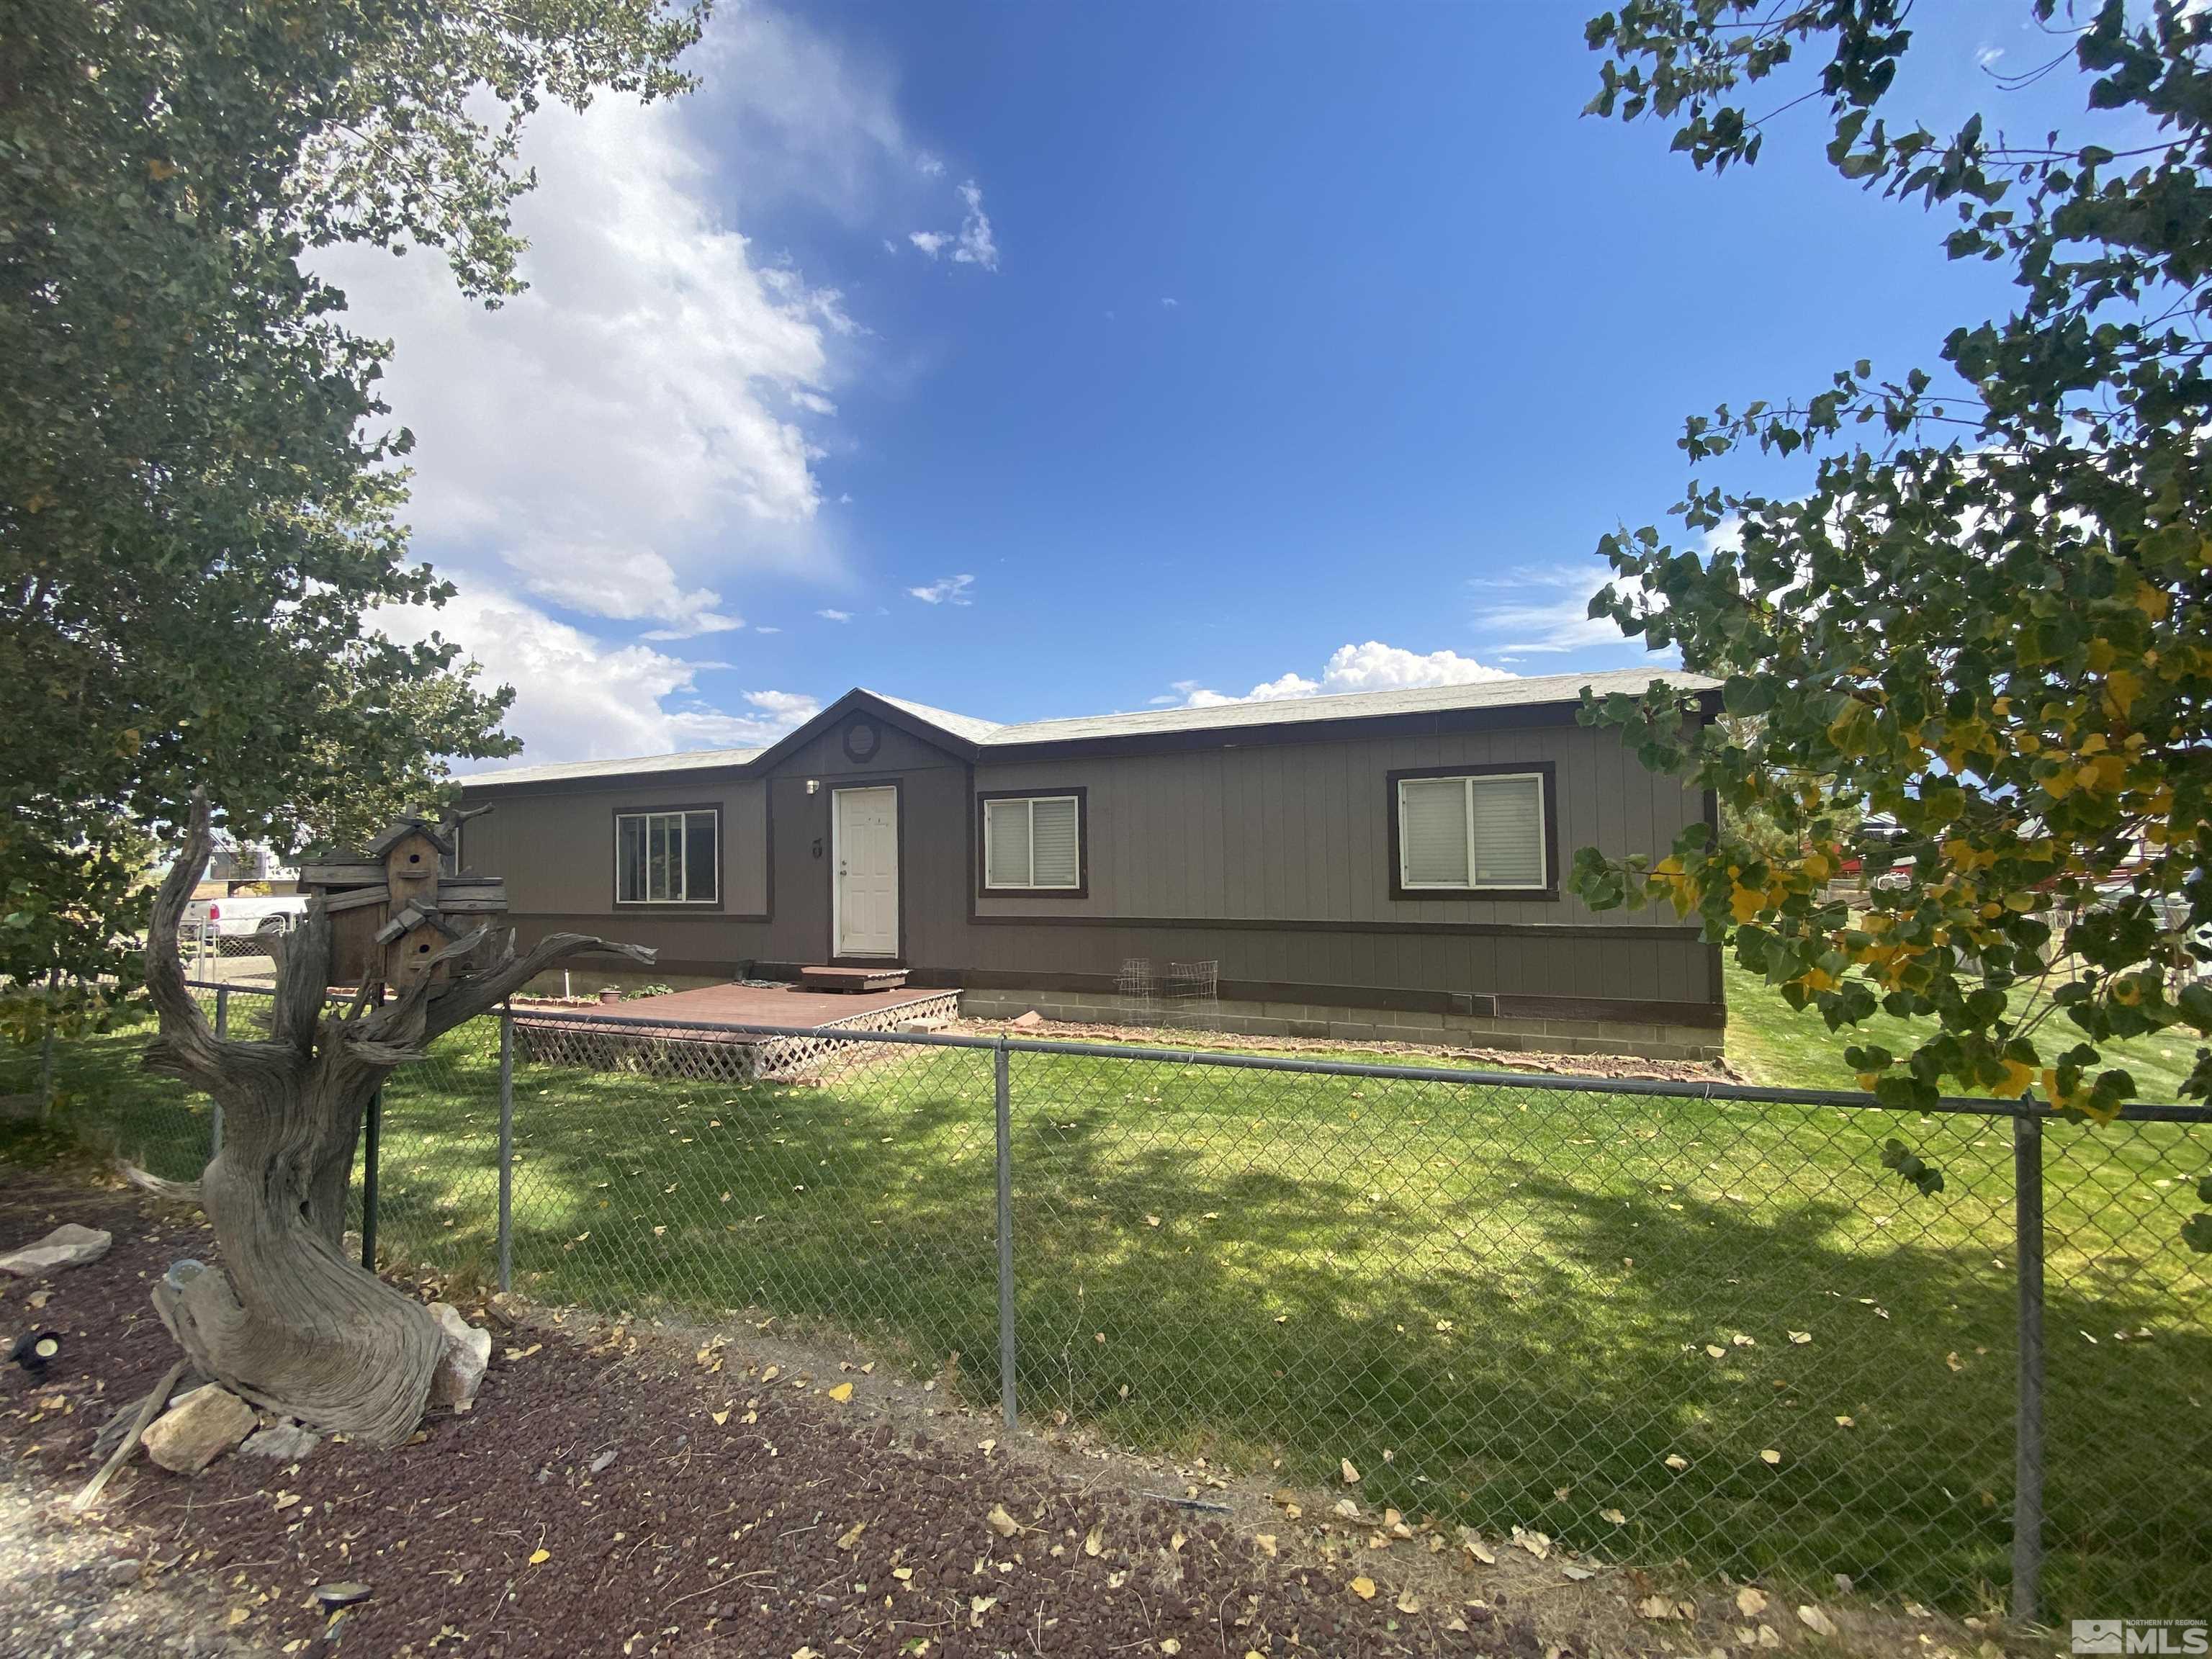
(286, 1319)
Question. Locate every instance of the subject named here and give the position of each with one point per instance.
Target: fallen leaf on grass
(1152, 1221)
(851, 1534)
(1094, 1541)
(1770, 1456)
(1266, 1541)
(1657, 1607)
(721, 1417)
(1614, 1516)
(1677, 1462)
(1716, 1350)
(286, 1500)
(539, 1558)
(1002, 1523)
(1364, 1587)
(842, 1393)
(1577, 1572)
(804, 1653)
(1350, 1474)
(1750, 1602)
(1845, 1423)
(1537, 1543)
(1816, 1621)
(1407, 1601)
(1801, 1337)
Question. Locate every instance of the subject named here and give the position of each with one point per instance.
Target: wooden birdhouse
(392, 908)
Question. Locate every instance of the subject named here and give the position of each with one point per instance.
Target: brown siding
(1217, 855)
(1299, 832)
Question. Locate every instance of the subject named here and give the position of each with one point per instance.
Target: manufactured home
(1381, 866)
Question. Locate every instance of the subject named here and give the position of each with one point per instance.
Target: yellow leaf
(1266, 1541)
(721, 1417)
(1770, 1456)
(539, 1558)
(842, 1393)
(1094, 1541)
(1677, 1462)
(1750, 1602)
(2017, 1077)
(1350, 1474)
(851, 1534)
(1002, 1523)
(1364, 1587)
(1614, 1516)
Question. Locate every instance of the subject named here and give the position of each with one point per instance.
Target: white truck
(241, 920)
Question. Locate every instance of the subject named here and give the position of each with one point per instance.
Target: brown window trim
(669, 907)
(1549, 893)
(1082, 888)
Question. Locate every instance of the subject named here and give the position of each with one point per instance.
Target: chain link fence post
(221, 1030)
(507, 1147)
(1002, 1089)
(47, 1048)
(372, 1133)
(2027, 1432)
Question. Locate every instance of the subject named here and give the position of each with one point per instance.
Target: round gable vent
(861, 740)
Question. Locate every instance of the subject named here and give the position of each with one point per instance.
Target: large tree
(1988, 613)
(199, 497)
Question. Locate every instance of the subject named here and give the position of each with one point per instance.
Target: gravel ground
(653, 1492)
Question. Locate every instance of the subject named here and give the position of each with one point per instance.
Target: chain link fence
(1657, 1322)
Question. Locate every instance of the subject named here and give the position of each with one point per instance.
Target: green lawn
(1771, 1042)
(1501, 1304)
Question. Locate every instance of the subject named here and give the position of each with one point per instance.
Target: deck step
(851, 979)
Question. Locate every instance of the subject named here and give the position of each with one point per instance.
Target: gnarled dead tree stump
(284, 1318)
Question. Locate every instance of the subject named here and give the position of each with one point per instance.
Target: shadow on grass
(1504, 1306)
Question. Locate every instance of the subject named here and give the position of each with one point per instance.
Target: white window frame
(1467, 781)
(682, 814)
(988, 808)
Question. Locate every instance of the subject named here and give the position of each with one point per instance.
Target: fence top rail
(645, 1025)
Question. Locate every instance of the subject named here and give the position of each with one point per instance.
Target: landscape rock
(288, 1443)
(461, 1369)
(1032, 1017)
(198, 1429)
(127, 1570)
(67, 1246)
(341, 1595)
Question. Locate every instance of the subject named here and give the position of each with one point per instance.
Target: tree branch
(481, 992)
(186, 1048)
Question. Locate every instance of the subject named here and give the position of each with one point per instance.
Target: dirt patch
(657, 1491)
(1503, 1060)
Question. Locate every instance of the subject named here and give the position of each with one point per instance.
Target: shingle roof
(1347, 705)
(688, 760)
(1531, 691)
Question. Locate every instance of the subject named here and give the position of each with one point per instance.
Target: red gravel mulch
(592, 1503)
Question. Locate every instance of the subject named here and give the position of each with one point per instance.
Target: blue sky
(1046, 360)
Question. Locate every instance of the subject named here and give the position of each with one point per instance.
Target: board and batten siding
(1300, 832)
(556, 852)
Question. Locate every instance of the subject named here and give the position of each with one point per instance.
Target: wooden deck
(757, 1005)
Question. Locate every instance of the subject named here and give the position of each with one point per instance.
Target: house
(1380, 866)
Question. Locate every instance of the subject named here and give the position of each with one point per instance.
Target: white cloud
(641, 393)
(1372, 667)
(1170, 304)
(581, 698)
(624, 584)
(835, 615)
(946, 589)
(928, 166)
(973, 244)
(1551, 616)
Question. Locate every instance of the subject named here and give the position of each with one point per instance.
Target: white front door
(863, 845)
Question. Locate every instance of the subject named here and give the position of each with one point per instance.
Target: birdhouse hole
(422, 948)
(414, 858)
